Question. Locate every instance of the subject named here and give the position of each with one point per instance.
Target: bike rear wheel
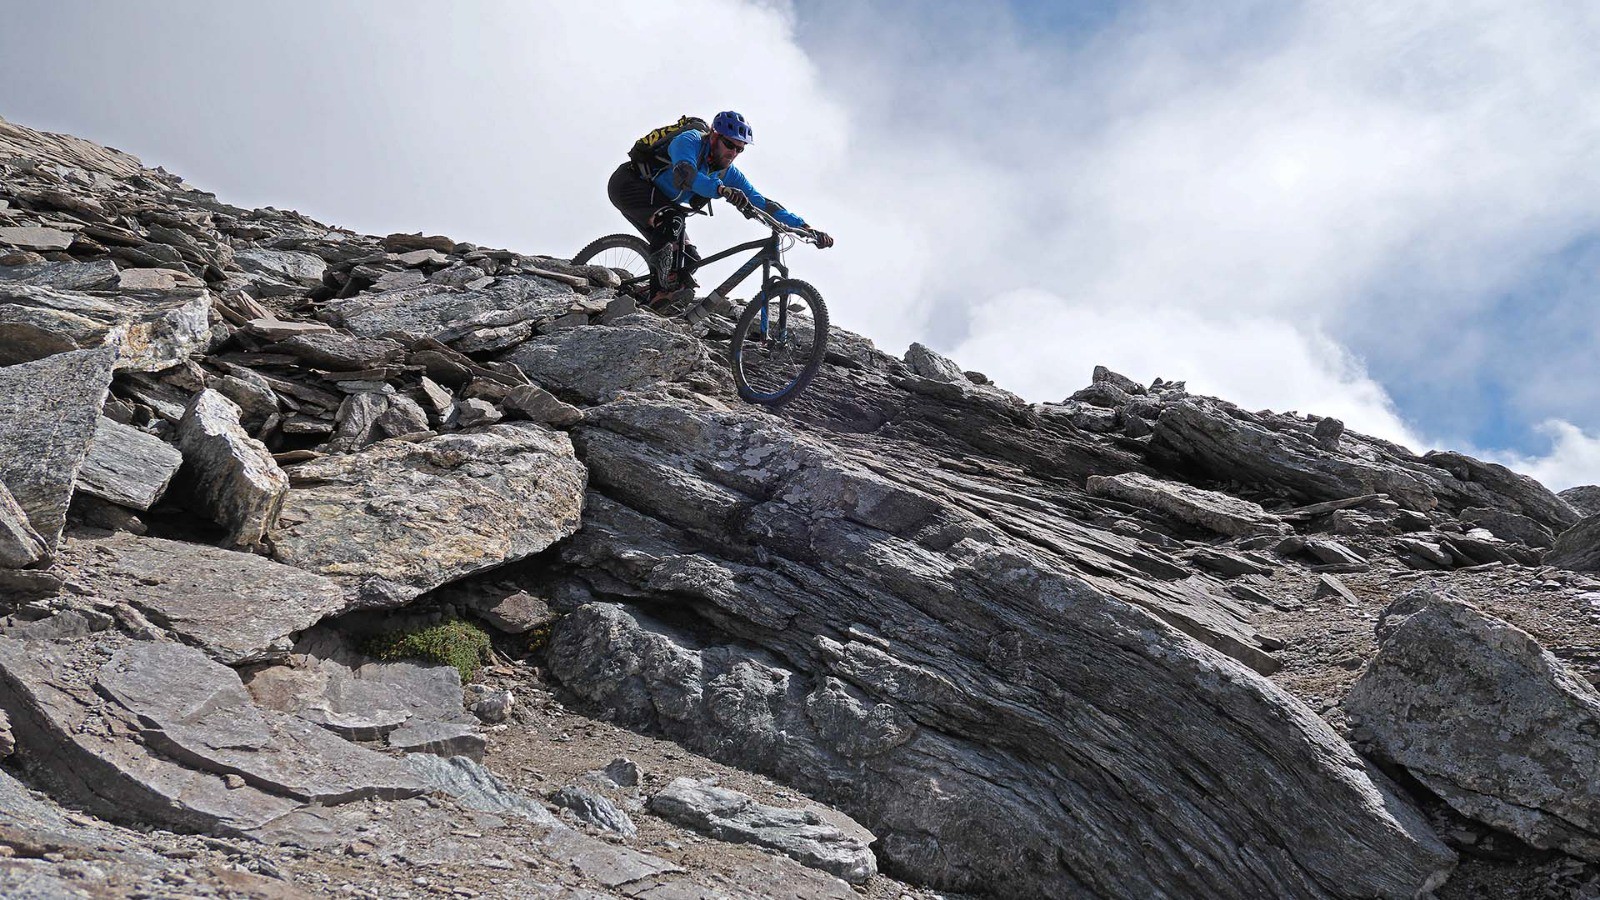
(626, 254)
(779, 342)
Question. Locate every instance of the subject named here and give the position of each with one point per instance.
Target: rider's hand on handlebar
(739, 199)
(822, 239)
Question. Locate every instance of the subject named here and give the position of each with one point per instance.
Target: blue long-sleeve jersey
(690, 147)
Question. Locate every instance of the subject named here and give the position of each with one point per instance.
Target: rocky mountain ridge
(1024, 650)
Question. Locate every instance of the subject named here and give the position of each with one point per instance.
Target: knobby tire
(773, 372)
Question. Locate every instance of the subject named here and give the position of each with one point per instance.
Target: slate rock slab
(78, 745)
(127, 466)
(151, 331)
(398, 519)
(198, 712)
(1578, 548)
(800, 834)
(1487, 719)
(20, 545)
(237, 607)
(63, 276)
(594, 809)
(304, 269)
(596, 364)
(438, 311)
(234, 475)
(49, 411)
(1216, 511)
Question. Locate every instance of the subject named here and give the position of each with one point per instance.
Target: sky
(1387, 211)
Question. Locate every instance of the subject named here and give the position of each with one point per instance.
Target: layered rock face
(1015, 641)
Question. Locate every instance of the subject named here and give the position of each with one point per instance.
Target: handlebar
(804, 234)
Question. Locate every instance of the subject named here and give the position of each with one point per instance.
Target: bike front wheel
(626, 254)
(779, 342)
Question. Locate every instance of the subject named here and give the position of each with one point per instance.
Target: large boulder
(1583, 498)
(49, 411)
(597, 364)
(1487, 719)
(1283, 455)
(398, 519)
(996, 717)
(1578, 548)
(232, 475)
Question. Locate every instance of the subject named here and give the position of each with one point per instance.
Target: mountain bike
(781, 335)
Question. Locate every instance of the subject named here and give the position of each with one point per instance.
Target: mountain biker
(699, 168)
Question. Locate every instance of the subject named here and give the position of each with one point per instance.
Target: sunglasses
(735, 146)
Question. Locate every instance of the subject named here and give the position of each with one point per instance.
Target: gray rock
(398, 519)
(749, 711)
(929, 364)
(234, 477)
(1584, 498)
(1209, 509)
(406, 243)
(303, 269)
(1329, 586)
(800, 834)
(1578, 548)
(623, 772)
(48, 414)
(150, 332)
(254, 395)
(494, 707)
(342, 352)
(1334, 553)
(423, 257)
(515, 613)
(445, 313)
(1227, 564)
(20, 544)
(595, 364)
(1103, 394)
(595, 810)
(1509, 526)
(536, 404)
(1327, 434)
(1278, 453)
(1426, 551)
(237, 607)
(472, 412)
(403, 416)
(72, 740)
(1484, 717)
(36, 238)
(436, 400)
(128, 467)
(64, 276)
(1514, 492)
(197, 712)
(477, 788)
(156, 280)
(438, 738)
(356, 424)
(328, 683)
(1103, 375)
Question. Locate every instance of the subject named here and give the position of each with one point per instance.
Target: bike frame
(768, 256)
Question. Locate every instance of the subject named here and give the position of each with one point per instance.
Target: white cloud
(1573, 459)
(1034, 343)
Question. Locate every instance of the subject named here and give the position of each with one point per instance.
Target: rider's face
(724, 151)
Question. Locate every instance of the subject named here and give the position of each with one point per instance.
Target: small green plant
(456, 643)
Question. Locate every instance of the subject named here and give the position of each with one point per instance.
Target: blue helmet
(731, 125)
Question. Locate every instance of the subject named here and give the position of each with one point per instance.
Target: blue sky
(1385, 211)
